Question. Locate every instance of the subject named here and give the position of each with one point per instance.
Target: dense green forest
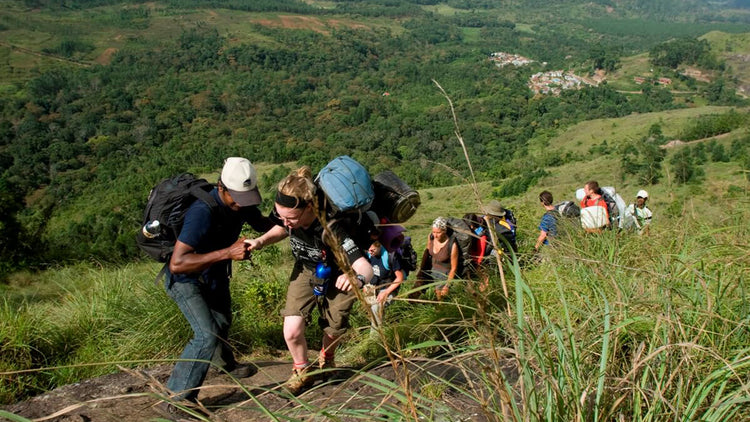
(81, 145)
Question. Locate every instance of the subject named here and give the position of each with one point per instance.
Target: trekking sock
(301, 365)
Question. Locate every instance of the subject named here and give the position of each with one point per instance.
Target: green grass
(578, 138)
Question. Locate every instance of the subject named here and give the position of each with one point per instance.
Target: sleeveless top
(441, 260)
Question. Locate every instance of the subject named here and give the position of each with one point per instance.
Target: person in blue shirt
(548, 225)
(197, 277)
(387, 278)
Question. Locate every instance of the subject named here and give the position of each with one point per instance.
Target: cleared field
(579, 138)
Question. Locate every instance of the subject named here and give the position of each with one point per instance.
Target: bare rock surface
(132, 395)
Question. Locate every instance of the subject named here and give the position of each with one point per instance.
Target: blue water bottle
(322, 274)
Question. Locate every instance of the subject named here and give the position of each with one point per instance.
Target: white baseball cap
(642, 194)
(241, 180)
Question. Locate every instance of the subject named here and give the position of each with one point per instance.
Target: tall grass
(609, 327)
(82, 321)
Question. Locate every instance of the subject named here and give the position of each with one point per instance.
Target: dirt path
(42, 54)
(677, 142)
(130, 395)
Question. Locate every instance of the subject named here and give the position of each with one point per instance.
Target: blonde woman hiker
(316, 279)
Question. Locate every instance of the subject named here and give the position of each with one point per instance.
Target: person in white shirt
(637, 215)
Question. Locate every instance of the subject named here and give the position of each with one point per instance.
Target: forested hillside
(100, 99)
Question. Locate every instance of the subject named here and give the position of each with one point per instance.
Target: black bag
(394, 199)
(614, 212)
(460, 233)
(166, 205)
(509, 236)
(509, 217)
(568, 209)
(408, 256)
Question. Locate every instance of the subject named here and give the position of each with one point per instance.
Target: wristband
(361, 279)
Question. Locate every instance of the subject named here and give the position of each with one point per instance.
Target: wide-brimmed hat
(494, 208)
(241, 181)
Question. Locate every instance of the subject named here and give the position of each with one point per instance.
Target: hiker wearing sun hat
(502, 220)
(637, 215)
(197, 277)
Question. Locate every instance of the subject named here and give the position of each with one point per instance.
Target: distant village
(546, 83)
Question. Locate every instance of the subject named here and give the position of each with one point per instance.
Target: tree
(643, 158)
(684, 167)
(718, 153)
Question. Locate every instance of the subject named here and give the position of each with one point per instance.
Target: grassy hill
(599, 310)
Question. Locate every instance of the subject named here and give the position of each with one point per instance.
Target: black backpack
(509, 217)
(568, 209)
(508, 234)
(460, 233)
(407, 257)
(166, 205)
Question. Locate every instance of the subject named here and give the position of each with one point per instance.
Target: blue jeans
(207, 308)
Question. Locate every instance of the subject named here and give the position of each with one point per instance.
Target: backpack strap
(385, 258)
(204, 196)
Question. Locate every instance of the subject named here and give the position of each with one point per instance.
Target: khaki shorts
(334, 306)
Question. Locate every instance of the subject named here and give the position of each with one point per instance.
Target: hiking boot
(173, 413)
(326, 363)
(327, 367)
(299, 381)
(241, 370)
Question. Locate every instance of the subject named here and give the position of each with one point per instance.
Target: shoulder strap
(208, 199)
(204, 196)
(385, 259)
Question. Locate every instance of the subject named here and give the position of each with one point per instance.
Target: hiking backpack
(167, 203)
(348, 189)
(509, 217)
(346, 185)
(407, 257)
(614, 212)
(568, 209)
(460, 233)
(509, 234)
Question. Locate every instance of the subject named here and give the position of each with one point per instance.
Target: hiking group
(346, 237)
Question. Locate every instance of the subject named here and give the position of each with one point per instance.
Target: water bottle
(152, 229)
(322, 274)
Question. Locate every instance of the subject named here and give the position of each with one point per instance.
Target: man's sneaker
(299, 381)
(173, 413)
(241, 370)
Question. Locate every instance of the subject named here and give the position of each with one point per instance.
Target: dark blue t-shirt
(549, 225)
(206, 233)
(384, 272)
